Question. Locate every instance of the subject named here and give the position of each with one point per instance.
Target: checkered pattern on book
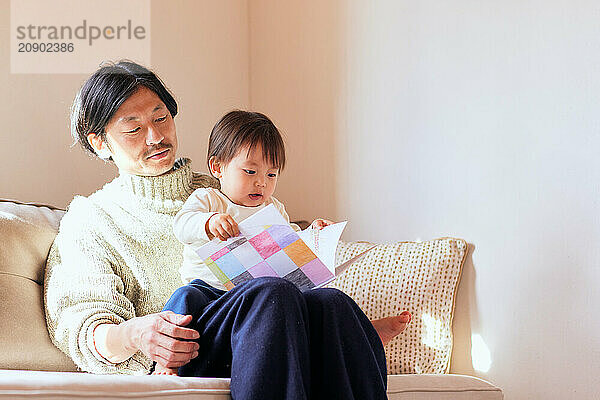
(276, 251)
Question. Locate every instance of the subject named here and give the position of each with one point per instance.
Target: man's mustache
(157, 149)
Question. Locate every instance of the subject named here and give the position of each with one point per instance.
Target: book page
(267, 246)
(324, 242)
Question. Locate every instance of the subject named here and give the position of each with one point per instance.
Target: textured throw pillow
(421, 277)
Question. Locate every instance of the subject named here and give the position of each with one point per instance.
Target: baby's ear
(215, 167)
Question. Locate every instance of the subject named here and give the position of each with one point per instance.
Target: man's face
(141, 135)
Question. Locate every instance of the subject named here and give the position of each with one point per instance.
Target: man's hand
(320, 223)
(162, 337)
(221, 226)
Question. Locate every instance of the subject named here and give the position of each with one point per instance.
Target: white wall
(294, 74)
(199, 48)
(480, 120)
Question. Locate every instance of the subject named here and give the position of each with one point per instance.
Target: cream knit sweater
(115, 257)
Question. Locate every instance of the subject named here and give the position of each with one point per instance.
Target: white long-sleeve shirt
(189, 227)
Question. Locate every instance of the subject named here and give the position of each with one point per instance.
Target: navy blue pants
(276, 342)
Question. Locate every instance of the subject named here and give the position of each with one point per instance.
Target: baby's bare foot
(160, 370)
(390, 327)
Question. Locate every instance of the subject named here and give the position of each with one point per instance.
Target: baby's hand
(320, 223)
(221, 226)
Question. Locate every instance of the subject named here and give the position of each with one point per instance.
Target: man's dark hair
(238, 130)
(104, 92)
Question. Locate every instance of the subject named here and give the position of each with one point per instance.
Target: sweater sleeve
(280, 207)
(82, 291)
(189, 224)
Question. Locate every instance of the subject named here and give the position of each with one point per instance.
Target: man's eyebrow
(133, 117)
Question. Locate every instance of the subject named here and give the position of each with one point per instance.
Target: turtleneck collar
(173, 185)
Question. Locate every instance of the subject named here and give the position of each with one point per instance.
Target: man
(115, 262)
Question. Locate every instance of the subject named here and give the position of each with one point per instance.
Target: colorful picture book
(268, 246)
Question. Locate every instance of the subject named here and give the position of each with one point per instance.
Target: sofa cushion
(28, 230)
(420, 277)
(63, 385)
(27, 233)
(441, 387)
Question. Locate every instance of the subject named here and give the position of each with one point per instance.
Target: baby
(246, 154)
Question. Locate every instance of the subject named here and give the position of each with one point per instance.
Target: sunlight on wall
(432, 335)
(480, 354)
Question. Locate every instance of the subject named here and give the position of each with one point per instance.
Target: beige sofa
(31, 367)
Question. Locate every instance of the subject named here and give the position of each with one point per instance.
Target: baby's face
(248, 180)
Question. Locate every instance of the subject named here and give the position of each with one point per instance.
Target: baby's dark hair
(238, 130)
